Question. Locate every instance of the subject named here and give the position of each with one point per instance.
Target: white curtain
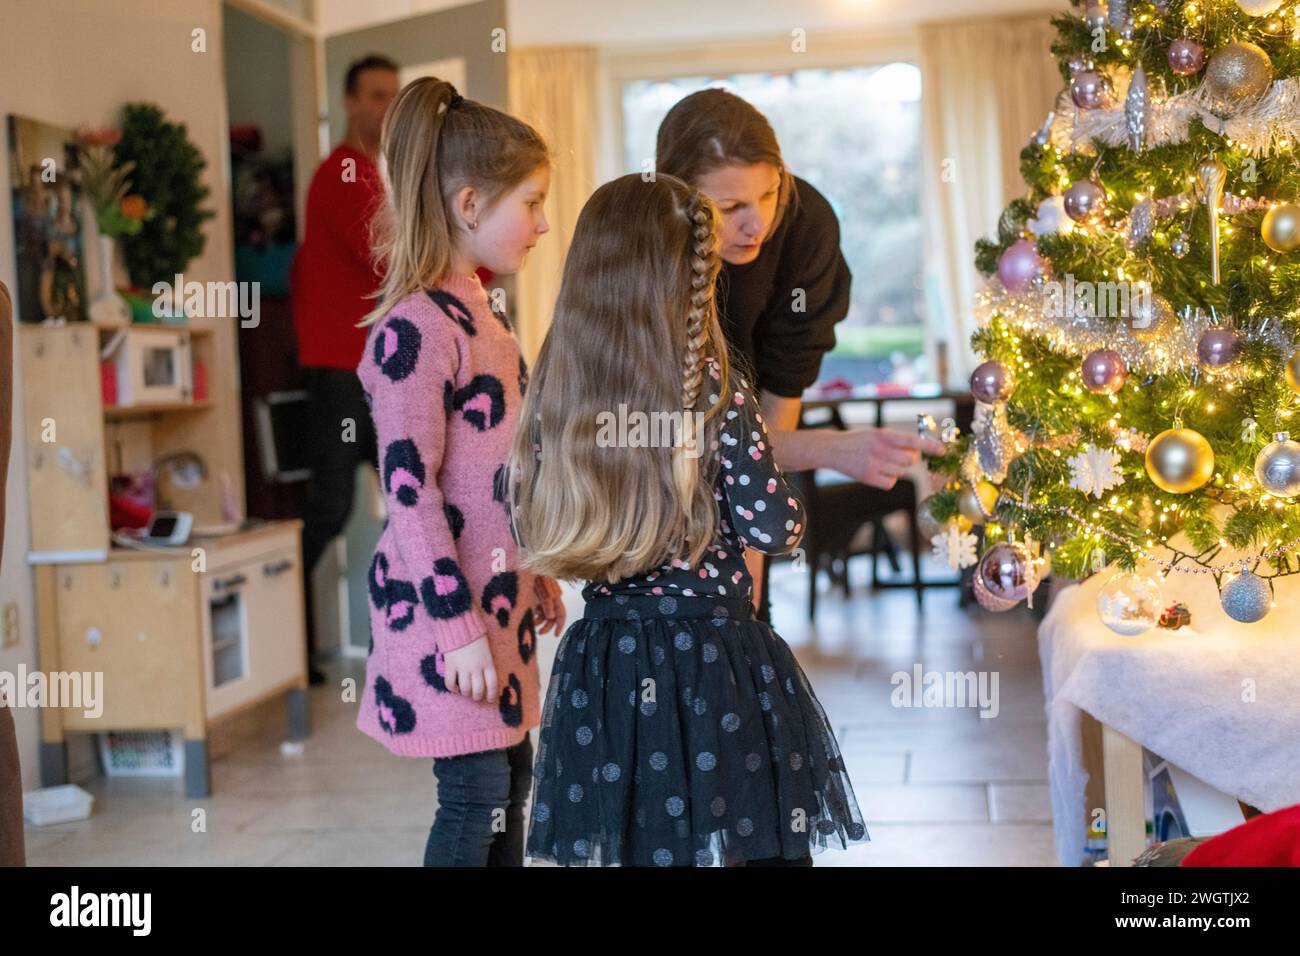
(554, 89)
(987, 86)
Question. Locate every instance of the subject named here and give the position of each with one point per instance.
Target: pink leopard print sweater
(444, 379)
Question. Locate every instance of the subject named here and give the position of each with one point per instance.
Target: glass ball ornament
(1292, 372)
(927, 524)
(1280, 229)
(1006, 572)
(1103, 372)
(1085, 201)
(1180, 460)
(1259, 8)
(1092, 90)
(986, 600)
(1238, 75)
(968, 502)
(1151, 318)
(1019, 264)
(1246, 598)
(1180, 245)
(1277, 467)
(1130, 603)
(1218, 348)
(1186, 56)
(992, 382)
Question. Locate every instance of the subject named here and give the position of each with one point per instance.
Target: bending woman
(783, 287)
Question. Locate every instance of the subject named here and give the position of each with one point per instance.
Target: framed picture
(47, 222)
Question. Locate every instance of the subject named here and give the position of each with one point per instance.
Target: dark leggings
(472, 791)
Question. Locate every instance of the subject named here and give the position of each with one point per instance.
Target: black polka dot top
(757, 509)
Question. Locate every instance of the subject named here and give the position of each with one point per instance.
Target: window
(855, 134)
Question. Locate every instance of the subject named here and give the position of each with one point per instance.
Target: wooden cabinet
(181, 640)
(182, 637)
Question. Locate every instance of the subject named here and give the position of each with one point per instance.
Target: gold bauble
(1180, 460)
(1293, 372)
(1153, 320)
(1238, 75)
(1281, 227)
(969, 506)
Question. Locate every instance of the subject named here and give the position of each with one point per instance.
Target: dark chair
(838, 508)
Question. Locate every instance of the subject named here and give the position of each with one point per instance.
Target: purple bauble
(1218, 348)
(1103, 372)
(992, 382)
(1091, 90)
(1085, 201)
(1019, 265)
(1186, 56)
(1004, 571)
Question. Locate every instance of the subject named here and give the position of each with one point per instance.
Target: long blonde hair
(435, 143)
(635, 325)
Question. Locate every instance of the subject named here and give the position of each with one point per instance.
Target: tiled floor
(937, 785)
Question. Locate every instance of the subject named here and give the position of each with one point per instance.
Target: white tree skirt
(1219, 699)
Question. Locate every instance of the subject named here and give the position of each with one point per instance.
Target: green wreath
(166, 174)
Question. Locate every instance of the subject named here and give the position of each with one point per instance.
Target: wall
(461, 32)
(257, 78)
(78, 61)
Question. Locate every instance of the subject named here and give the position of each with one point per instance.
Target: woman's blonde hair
(634, 331)
(435, 143)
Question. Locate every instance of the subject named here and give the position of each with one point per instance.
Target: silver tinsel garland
(1172, 351)
(1258, 128)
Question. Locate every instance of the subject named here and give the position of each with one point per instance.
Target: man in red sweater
(333, 282)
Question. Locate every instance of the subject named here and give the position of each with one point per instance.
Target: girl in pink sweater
(452, 672)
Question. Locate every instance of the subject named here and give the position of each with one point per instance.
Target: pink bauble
(987, 600)
(1218, 348)
(1085, 201)
(1019, 265)
(1091, 90)
(992, 382)
(1004, 569)
(1103, 372)
(1186, 56)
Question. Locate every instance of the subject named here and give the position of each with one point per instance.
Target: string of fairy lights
(1204, 361)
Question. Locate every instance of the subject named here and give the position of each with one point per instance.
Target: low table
(1217, 698)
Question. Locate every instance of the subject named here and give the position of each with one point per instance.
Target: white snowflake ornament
(955, 547)
(1096, 470)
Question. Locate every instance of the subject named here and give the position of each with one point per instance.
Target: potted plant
(118, 212)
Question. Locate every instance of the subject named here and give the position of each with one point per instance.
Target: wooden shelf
(118, 412)
(204, 329)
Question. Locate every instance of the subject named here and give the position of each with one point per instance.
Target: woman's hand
(879, 456)
(471, 672)
(549, 609)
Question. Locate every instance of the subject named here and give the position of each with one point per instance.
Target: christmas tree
(1140, 318)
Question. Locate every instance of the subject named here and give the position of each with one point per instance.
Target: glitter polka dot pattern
(696, 762)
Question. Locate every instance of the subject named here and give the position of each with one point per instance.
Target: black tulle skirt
(681, 731)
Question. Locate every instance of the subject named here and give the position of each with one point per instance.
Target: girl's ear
(465, 204)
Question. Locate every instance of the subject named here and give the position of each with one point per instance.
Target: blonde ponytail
(434, 143)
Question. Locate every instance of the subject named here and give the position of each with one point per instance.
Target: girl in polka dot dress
(678, 730)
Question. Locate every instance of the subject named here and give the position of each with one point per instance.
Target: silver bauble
(1277, 467)
(1246, 598)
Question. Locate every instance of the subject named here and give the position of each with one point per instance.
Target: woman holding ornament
(783, 287)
